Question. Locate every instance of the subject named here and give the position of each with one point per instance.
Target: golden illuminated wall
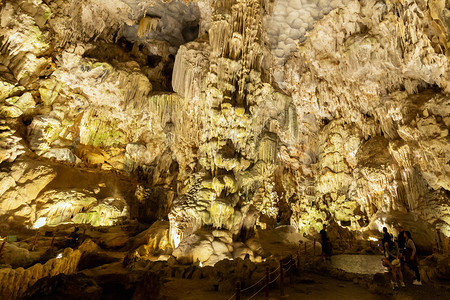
(225, 115)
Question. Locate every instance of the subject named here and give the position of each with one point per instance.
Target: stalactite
(267, 149)
(146, 25)
(165, 107)
(338, 108)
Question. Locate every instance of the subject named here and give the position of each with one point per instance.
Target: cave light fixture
(39, 223)
(176, 236)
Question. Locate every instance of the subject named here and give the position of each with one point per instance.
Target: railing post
(291, 273)
(267, 282)
(238, 290)
(281, 279)
(305, 251)
(3, 246)
(298, 262)
(314, 248)
(440, 247)
(35, 240)
(53, 240)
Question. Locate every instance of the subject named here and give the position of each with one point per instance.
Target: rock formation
(16, 281)
(225, 116)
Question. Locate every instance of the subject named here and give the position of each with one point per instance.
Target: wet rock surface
(359, 264)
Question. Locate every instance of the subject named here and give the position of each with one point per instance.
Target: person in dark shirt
(401, 238)
(401, 241)
(386, 235)
(72, 241)
(386, 239)
(326, 245)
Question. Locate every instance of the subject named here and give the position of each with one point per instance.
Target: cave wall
(226, 114)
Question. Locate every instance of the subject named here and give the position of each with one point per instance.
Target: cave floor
(311, 286)
(308, 286)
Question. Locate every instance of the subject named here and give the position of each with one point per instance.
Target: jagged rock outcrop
(14, 282)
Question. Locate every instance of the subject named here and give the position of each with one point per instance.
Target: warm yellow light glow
(380, 223)
(176, 240)
(200, 264)
(371, 238)
(176, 236)
(39, 223)
(59, 255)
(163, 244)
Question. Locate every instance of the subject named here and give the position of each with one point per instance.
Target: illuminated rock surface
(216, 120)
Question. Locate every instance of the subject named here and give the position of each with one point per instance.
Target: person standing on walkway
(73, 239)
(386, 238)
(393, 262)
(401, 241)
(438, 240)
(326, 244)
(411, 257)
